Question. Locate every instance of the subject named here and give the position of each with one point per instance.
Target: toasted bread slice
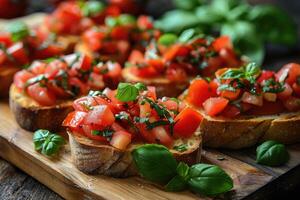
(6, 78)
(94, 157)
(246, 131)
(164, 87)
(31, 116)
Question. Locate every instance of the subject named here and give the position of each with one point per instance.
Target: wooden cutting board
(61, 176)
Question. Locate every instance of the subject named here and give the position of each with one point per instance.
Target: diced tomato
(170, 104)
(151, 92)
(231, 95)
(116, 127)
(162, 136)
(120, 140)
(84, 103)
(38, 67)
(144, 22)
(286, 93)
(53, 68)
(93, 39)
(3, 56)
(292, 103)
(176, 73)
(84, 63)
(270, 96)
(21, 77)
(17, 51)
(246, 106)
(229, 57)
(114, 70)
(100, 115)
(41, 95)
(57, 90)
(5, 39)
(252, 99)
(231, 111)
(289, 73)
(157, 64)
(120, 33)
(171, 53)
(296, 88)
(145, 110)
(146, 134)
(265, 75)
(96, 81)
(198, 92)
(73, 81)
(49, 51)
(215, 105)
(74, 119)
(187, 122)
(213, 85)
(213, 64)
(146, 71)
(220, 72)
(221, 43)
(136, 56)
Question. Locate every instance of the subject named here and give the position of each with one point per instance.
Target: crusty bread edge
(30, 116)
(93, 157)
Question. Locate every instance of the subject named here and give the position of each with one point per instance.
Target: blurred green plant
(249, 27)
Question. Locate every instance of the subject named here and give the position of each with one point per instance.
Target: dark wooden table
(15, 184)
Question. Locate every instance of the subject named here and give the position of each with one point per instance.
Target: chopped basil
(92, 8)
(36, 79)
(19, 30)
(272, 86)
(226, 87)
(167, 39)
(122, 116)
(181, 147)
(107, 133)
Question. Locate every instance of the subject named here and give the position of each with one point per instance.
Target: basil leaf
(246, 39)
(127, 92)
(176, 21)
(271, 153)
(155, 162)
(140, 86)
(19, 30)
(126, 19)
(180, 148)
(186, 4)
(209, 180)
(207, 15)
(282, 30)
(39, 137)
(183, 170)
(176, 184)
(167, 39)
(92, 8)
(52, 144)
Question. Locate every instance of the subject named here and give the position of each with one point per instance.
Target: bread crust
(94, 157)
(246, 131)
(31, 116)
(164, 87)
(6, 78)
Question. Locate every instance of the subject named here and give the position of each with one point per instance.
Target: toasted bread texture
(94, 157)
(6, 78)
(164, 87)
(31, 116)
(246, 131)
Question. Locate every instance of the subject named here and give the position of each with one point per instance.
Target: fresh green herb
(127, 92)
(167, 39)
(271, 85)
(123, 19)
(18, 30)
(155, 163)
(209, 180)
(46, 142)
(226, 87)
(36, 79)
(107, 133)
(92, 8)
(140, 86)
(271, 153)
(181, 147)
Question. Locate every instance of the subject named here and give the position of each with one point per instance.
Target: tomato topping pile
(20, 45)
(115, 39)
(182, 57)
(47, 81)
(132, 113)
(248, 90)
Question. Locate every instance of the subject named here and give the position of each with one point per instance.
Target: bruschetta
(170, 67)
(41, 95)
(245, 106)
(20, 45)
(106, 126)
(115, 39)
